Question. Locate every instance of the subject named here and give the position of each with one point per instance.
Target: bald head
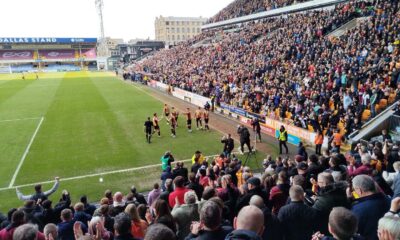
(250, 218)
(257, 201)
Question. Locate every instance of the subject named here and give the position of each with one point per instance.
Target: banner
(88, 53)
(47, 40)
(15, 55)
(57, 54)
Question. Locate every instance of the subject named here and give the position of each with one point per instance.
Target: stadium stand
(240, 8)
(293, 70)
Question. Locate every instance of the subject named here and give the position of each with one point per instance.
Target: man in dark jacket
(254, 188)
(229, 145)
(272, 230)
(370, 207)
(138, 197)
(88, 208)
(330, 195)
(249, 224)
(179, 170)
(244, 138)
(297, 219)
(65, 228)
(209, 227)
(195, 186)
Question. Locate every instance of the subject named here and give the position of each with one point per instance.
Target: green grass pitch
(92, 123)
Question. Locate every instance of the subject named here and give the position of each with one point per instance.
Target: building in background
(173, 30)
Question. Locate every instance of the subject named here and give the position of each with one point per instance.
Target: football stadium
(270, 119)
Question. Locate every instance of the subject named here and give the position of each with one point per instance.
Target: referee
(148, 125)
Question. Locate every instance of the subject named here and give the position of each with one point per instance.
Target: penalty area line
(25, 153)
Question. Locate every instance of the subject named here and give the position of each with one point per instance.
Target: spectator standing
(185, 214)
(154, 194)
(297, 219)
(369, 207)
(179, 192)
(39, 194)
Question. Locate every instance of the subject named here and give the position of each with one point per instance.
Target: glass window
(183, 30)
(178, 38)
(167, 23)
(177, 30)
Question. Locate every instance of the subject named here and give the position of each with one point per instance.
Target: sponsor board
(47, 40)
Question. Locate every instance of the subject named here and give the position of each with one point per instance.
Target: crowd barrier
(268, 126)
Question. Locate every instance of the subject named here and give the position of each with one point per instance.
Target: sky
(127, 19)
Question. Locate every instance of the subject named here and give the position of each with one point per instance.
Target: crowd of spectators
(240, 8)
(290, 69)
(334, 196)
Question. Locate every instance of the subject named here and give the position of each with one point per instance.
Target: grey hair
(365, 183)
(326, 177)
(52, 229)
(190, 197)
(391, 224)
(25, 232)
(296, 193)
(366, 158)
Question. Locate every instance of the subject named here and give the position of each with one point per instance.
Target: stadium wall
(269, 126)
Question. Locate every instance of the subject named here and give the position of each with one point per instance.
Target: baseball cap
(254, 181)
(302, 166)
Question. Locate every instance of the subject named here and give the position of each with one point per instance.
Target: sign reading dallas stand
(47, 40)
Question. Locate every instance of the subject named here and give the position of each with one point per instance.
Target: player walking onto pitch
(148, 125)
(156, 125)
(206, 115)
(173, 126)
(166, 113)
(188, 119)
(198, 116)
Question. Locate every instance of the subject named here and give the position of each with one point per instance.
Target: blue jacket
(368, 211)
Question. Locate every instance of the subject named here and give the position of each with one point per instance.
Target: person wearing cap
(254, 188)
(302, 170)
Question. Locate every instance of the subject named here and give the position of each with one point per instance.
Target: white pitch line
(25, 153)
(19, 119)
(97, 174)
